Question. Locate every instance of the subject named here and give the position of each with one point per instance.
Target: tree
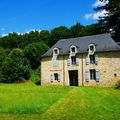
(58, 33)
(92, 29)
(15, 67)
(33, 53)
(45, 36)
(3, 54)
(11, 41)
(112, 17)
(76, 29)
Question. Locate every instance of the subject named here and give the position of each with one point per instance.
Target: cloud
(3, 35)
(95, 16)
(28, 31)
(99, 3)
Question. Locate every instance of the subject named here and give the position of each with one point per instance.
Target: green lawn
(31, 102)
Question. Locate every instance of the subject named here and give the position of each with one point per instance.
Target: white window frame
(94, 48)
(54, 53)
(73, 46)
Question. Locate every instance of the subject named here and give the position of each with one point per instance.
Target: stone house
(83, 61)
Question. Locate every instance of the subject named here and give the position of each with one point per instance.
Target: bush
(15, 67)
(117, 86)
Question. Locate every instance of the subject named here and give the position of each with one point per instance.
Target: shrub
(117, 85)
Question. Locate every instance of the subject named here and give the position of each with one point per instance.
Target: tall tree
(33, 53)
(76, 29)
(58, 33)
(112, 17)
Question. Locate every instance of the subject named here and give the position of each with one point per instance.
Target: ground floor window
(56, 76)
(92, 74)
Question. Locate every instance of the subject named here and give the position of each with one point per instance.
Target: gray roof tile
(103, 42)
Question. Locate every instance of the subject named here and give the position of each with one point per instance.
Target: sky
(22, 16)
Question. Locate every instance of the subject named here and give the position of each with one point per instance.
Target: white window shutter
(69, 61)
(96, 59)
(87, 75)
(87, 60)
(52, 77)
(77, 60)
(55, 61)
(97, 75)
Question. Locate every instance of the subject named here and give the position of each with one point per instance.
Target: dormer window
(91, 48)
(73, 49)
(55, 51)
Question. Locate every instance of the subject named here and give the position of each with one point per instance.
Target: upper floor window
(92, 59)
(92, 48)
(55, 51)
(73, 60)
(73, 49)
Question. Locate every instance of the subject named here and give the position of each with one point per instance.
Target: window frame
(93, 47)
(56, 75)
(92, 74)
(55, 51)
(92, 59)
(73, 47)
(73, 60)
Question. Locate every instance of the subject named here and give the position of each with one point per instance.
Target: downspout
(63, 71)
(82, 72)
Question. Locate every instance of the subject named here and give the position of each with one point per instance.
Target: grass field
(31, 102)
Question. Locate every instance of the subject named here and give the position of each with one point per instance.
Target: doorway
(73, 77)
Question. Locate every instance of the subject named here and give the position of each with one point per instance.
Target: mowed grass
(31, 102)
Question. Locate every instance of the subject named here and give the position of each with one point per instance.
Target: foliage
(3, 54)
(92, 29)
(35, 76)
(117, 86)
(33, 53)
(45, 36)
(58, 33)
(76, 29)
(112, 17)
(56, 102)
(15, 67)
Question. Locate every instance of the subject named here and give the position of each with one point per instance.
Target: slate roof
(103, 42)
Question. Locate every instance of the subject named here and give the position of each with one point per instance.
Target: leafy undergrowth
(30, 102)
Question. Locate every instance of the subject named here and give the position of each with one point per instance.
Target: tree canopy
(112, 17)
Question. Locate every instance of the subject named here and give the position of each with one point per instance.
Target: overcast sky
(25, 15)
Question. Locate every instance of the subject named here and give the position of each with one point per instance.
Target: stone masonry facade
(106, 70)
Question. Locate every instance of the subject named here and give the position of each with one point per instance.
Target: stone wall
(108, 65)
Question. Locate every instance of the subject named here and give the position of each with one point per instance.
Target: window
(55, 51)
(91, 48)
(56, 76)
(73, 60)
(92, 59)
(92, 74)
(73, 49)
